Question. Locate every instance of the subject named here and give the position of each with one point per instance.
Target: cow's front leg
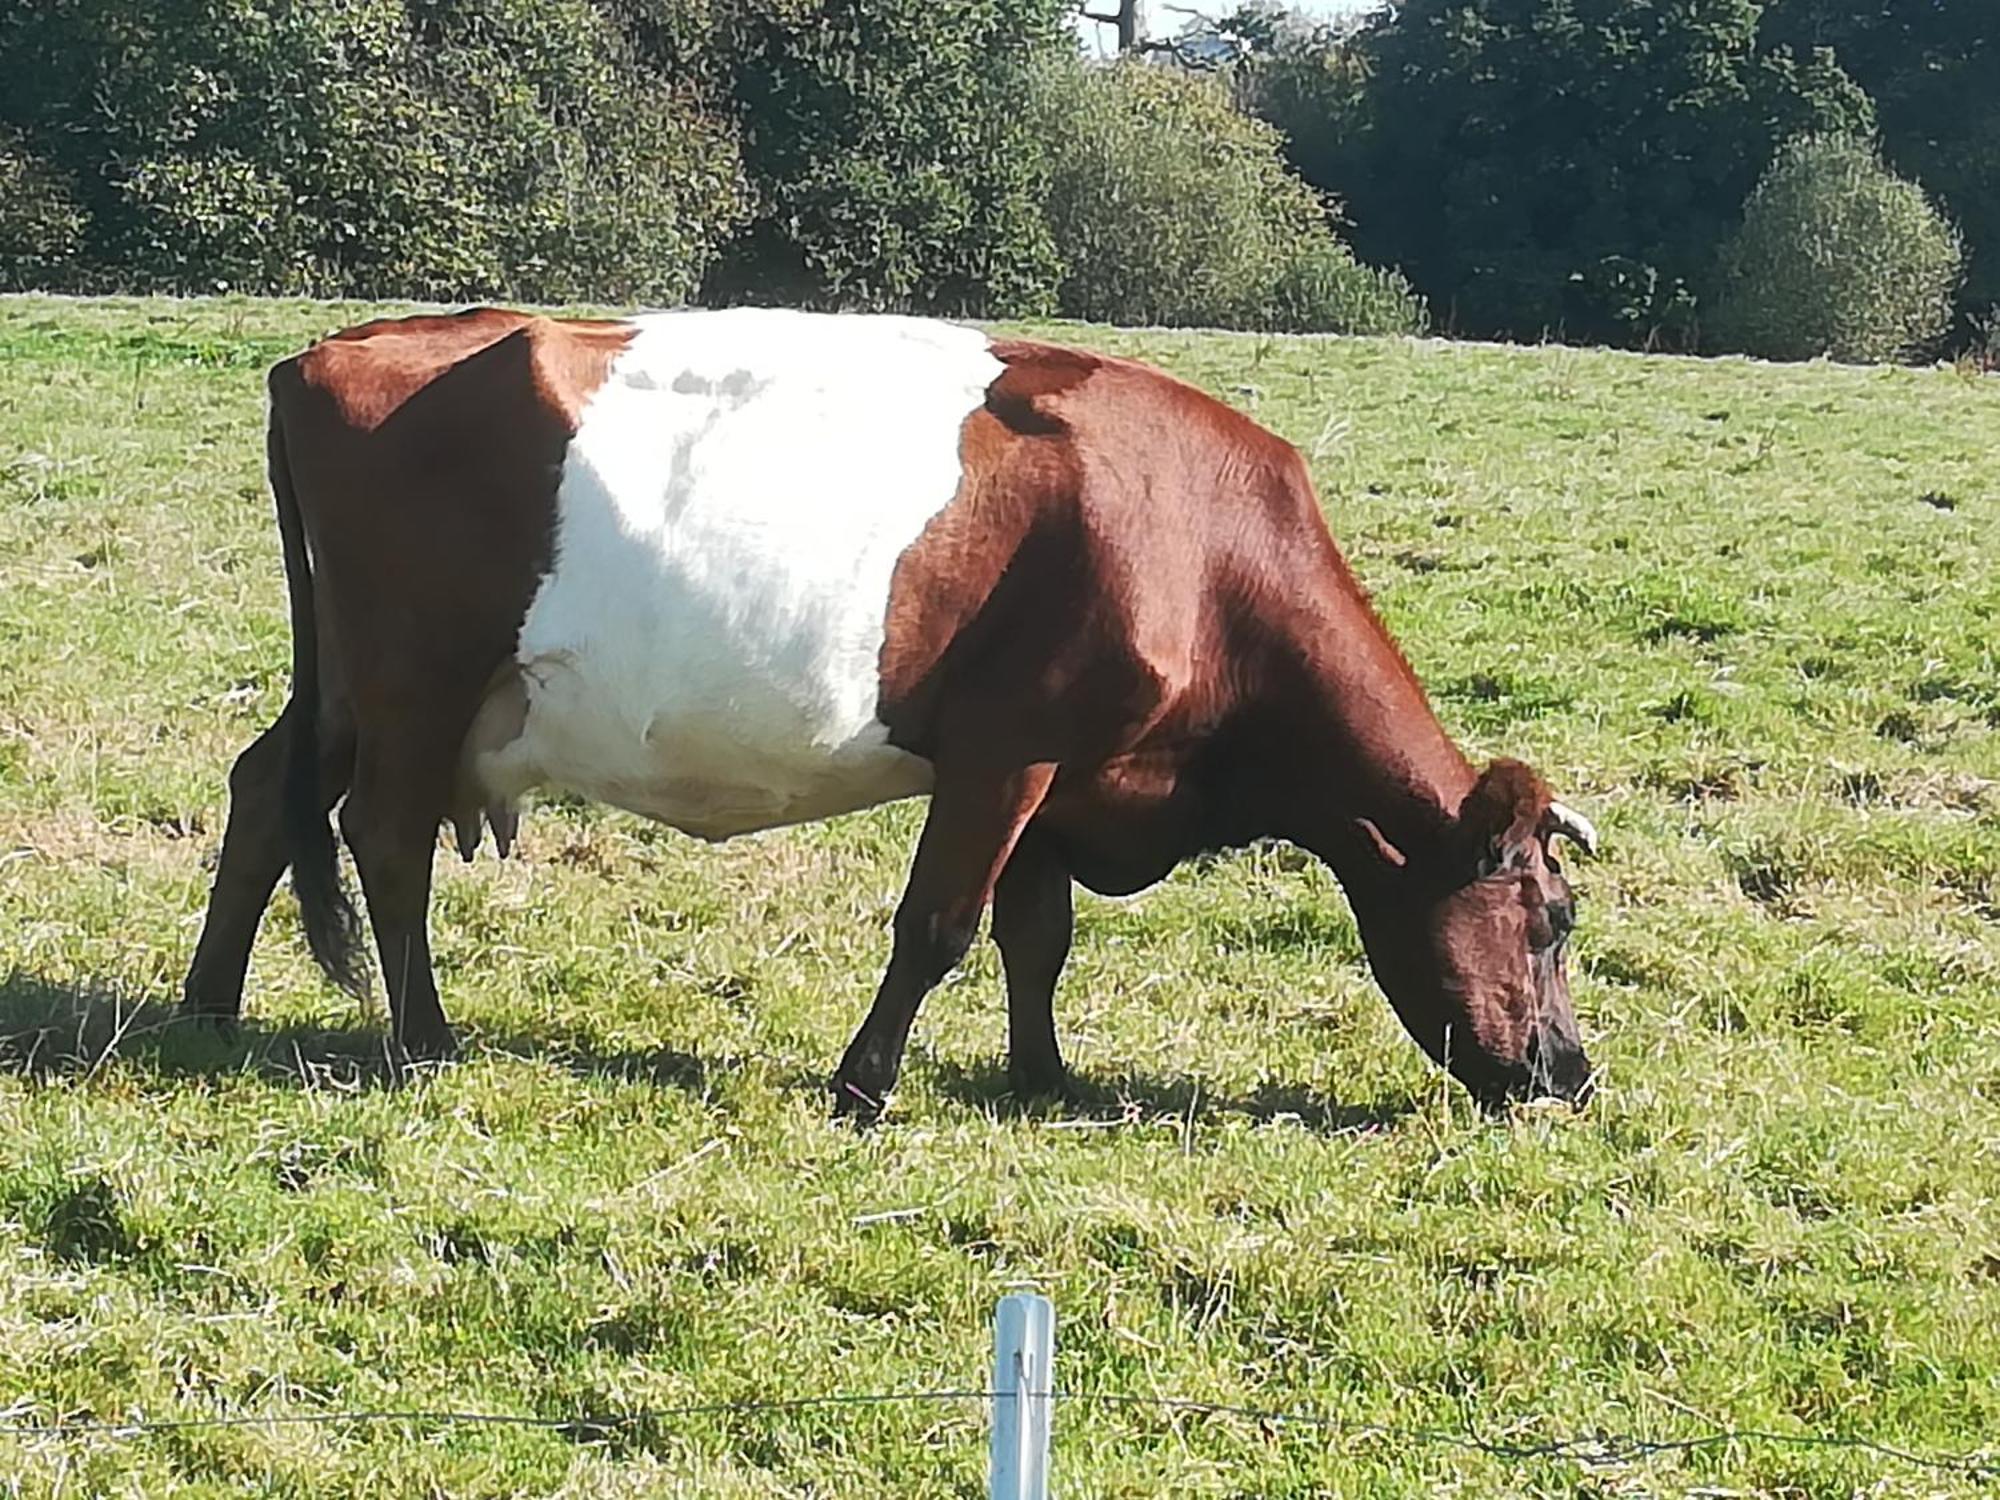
(1032, 923)
(976, 817)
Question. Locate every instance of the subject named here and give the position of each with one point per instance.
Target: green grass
(1744, 616)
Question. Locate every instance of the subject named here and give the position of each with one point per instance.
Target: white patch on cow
(706, 650)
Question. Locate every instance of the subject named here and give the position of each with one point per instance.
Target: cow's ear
(1501, 817)
(1375, 839)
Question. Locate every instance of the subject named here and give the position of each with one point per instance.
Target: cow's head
(1467, 935)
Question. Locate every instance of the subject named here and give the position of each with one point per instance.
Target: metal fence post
(1024, 1347)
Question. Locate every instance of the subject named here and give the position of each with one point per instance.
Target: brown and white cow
(738, 569)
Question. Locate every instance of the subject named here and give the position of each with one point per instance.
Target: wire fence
(1595, 1450)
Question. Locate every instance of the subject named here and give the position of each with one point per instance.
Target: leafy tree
(890, 152)
(1305, 77)
(1561, 165)
(1836, 255)
(447, 148)
(42, 226)
(1933, 69)
(1169, 206)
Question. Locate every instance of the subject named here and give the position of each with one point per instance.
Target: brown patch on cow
(371, 370)
(1135, 580)
(417, 443)
(1135, 584)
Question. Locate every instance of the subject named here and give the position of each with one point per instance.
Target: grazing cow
(733, 570)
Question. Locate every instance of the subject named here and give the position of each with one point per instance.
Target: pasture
(1743, 616)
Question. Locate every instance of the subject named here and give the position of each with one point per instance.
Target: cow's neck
(1360, 741)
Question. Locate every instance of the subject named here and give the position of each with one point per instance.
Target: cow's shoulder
(1093, 394)
(1148, 455)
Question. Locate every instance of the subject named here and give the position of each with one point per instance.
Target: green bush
(1168, 206)
(890, 160)
(42, 226)
(618, 184)
(1838, 256)
(443, 148)
(1930, 69)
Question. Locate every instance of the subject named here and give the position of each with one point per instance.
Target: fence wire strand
(1596, 1449)
(1600, 1448)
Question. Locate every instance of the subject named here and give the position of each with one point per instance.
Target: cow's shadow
(51, 1030)
(58, 1029)
(1114, 1098)
(54, 1029)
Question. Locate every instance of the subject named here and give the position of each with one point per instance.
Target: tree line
(1793, 177)
(1788, 176)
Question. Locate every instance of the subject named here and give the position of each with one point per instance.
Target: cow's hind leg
(975, 819)
(253, 857)
(390, 821)
(1032, 923)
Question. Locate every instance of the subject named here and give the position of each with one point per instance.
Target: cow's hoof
(855, 1105)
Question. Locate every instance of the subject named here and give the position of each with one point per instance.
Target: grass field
(1745, 617)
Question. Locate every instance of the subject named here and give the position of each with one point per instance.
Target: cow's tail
(333, 931)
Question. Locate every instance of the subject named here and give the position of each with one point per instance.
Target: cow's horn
(1572, 825)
